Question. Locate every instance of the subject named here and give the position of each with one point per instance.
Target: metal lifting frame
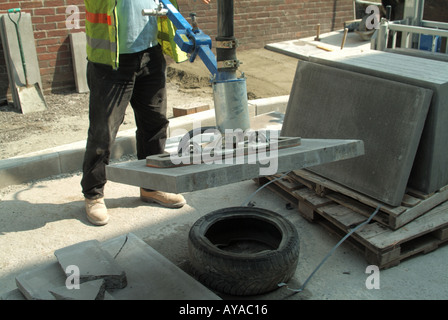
(189, 39)
(229, 91)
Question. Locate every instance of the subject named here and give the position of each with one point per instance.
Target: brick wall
(264, 21)
(257, 22)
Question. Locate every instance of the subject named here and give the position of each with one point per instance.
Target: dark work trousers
(140, 80)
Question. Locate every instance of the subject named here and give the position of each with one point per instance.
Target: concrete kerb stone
(68, 158)
(270, 104)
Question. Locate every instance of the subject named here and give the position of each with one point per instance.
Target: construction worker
(126, 64)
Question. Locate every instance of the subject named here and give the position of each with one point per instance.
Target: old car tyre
(243, 250)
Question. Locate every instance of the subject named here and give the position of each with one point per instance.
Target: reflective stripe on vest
(98, 18)
(102, 32)
(101, 44)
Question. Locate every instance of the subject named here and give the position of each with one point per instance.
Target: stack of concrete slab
(430, 169)
(389, 116)
(123, 268)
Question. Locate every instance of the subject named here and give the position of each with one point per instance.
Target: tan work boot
(96, 211)
(169, 200)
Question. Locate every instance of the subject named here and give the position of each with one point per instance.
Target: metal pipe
(155, 12)
(231, 105)
(229, 92)
(225, 41)
(225, 18)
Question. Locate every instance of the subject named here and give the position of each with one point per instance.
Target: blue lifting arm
(190, 40)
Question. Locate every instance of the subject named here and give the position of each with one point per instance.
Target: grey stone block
(330, 103)
(93, 263)
(90, 290)
(12, 295)
(35, 284)
(150, 276)
(430, 169)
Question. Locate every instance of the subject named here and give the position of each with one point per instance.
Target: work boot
(96, 211)
(169, 200)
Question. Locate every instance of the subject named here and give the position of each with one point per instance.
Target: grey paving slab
(12, 295)
(93, 263)
(331, 103)
(194, 177)
(90, 290)
(304, 48)
(150, 275)
(36, 283)
(430, 170)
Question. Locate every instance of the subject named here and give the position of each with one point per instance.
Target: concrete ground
(41, 217)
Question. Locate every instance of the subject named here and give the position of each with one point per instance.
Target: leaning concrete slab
(13, 59)
(93, 263)
(194, 177)
(388, 116)
(430, 170)
(150, 275)
(79, 57)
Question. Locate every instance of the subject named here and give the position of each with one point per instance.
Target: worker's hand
(206, 1)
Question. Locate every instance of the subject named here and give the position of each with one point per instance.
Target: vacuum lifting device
(229, 90)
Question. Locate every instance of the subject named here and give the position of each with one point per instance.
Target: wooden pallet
(381, 245)
(413, 205)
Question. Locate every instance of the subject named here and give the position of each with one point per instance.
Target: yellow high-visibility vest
(102, 34)
(166, 35)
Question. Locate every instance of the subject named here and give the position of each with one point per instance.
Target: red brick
(55, 18)
(44, 26)
(9, 5)
(43, 11)
(30, 4)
